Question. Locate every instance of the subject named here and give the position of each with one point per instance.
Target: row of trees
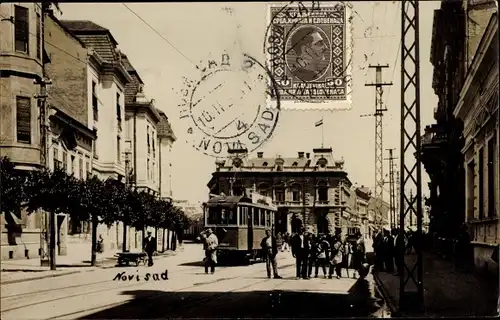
(91, 199)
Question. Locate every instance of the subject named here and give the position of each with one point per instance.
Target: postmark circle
(229, 108)
(305, 47)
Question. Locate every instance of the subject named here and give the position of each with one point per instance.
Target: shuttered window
(23, 118)
(21, 19)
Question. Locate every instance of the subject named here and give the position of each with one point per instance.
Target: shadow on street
(218, 304)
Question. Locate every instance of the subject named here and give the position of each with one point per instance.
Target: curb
(382, 290)
(64, 273)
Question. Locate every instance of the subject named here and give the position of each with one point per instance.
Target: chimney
(308, 155)
(260, 154)
(301, 154)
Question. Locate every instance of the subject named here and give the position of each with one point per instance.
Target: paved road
(237, 291)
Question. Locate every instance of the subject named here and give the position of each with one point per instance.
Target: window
(262, 217)
(149, 148)
(153, 147)
(147, 170)
(256, 216)
(243, 216)
(65, 161)
(295, 193)
(38, 37)
(231, 216)
(491, 178)
(21, 26)
(118, 150)
(268, 218)
(481, 183)
(72, 164)
(23, 118)
(280, 194)
(95, 106)
(57, 163)
(322, 192)
(80, 167)
(118, 111)
(87, 168)
(212, 215)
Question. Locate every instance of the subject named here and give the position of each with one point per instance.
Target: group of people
(390, 248)
(333, 251)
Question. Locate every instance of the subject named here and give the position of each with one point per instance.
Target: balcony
(434, 136)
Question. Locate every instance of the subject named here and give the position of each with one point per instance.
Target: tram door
(250, 212)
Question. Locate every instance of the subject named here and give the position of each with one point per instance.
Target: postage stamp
(228, 107)
(308, 49)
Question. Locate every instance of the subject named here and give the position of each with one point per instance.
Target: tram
(240, 225)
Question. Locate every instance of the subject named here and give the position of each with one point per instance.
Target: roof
(94, 36)
(163, 128)
(232, 200)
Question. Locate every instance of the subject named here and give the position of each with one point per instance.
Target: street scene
(263, 159)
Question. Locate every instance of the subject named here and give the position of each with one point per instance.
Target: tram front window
(222, 216)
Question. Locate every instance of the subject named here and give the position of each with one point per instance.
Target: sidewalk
(448, 292)
(77, 260)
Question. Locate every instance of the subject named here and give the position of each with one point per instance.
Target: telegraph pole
(392, 196)
(411, 293)
(379, 112)
(44, 152)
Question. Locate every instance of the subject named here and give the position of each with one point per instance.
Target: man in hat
(211, 243)
(150, 247)
(300, 251)
(269, 247)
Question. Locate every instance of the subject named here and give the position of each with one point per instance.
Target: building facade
(166, 138)
(309, 190)
(20, 65)
(479, 110)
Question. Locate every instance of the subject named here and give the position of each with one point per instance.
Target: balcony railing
(433, 135)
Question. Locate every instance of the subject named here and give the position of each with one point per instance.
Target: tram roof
(229, 199)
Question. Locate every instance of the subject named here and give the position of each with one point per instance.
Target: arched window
(322, 162)
(264, 164)
(295, 191)
(238, 189)
(322, 191)
(264, 190)
(295, 164)
(279, 192)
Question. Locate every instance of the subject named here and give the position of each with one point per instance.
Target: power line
(159, 34)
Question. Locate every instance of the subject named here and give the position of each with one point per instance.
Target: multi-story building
(141, 121)
(106, 81)
(478, 108)
(309, 190)
(442, 141)
(166, 138)
(363, 196)
(20, 65)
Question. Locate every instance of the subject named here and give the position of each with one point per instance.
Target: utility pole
(411, 293)
(379, 112)
(392, 196)
(397, 195)
(44, 152)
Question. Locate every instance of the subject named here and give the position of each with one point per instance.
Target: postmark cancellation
(229, 107)
(309, 49)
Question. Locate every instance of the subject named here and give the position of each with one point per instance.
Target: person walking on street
(211, 244)
(336, 258)
(378, 249)
(399, 251)
(359, 255)
(269, 247)
(286, 241)
(300, 251)
(322, 255)
(388, 251)
(312, 254)
(150, 247)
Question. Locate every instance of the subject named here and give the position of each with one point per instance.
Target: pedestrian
(300, 251)
(399, 251)
(359, 255)
(322, 250)
(312, 254)
(388, 251)
(409, 245)
(150, 247)
(211, 243)
(346, 254)
(336, 257)
(269, 247)
(378, 248)
(279, 240)
(286, 242)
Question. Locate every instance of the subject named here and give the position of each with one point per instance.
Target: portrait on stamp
(308, 52)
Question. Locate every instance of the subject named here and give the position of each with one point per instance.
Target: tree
(12, 193)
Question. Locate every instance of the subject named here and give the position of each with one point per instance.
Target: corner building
(310, 190)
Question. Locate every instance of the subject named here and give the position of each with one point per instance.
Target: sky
(164, 41)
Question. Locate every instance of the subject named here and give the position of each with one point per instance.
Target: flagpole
(322, 132)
